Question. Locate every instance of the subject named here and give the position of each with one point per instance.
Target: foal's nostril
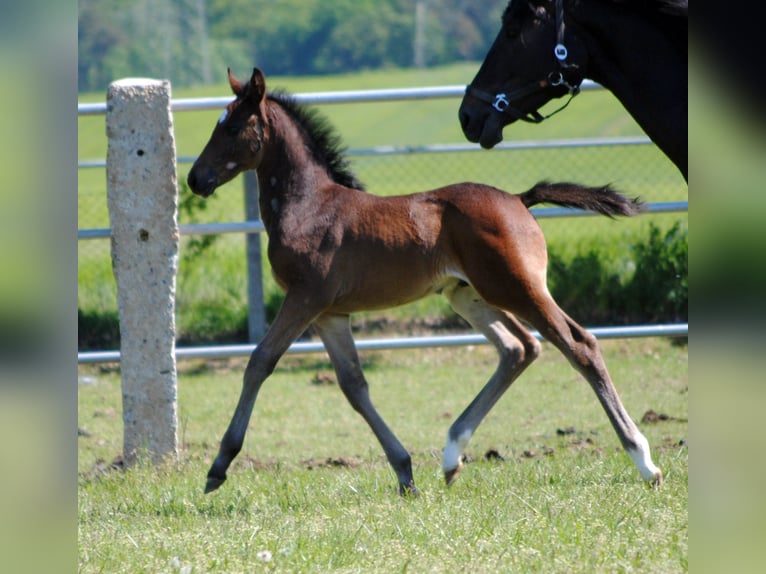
(191, 179)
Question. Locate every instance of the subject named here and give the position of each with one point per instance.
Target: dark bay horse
(637, 49)
(336, 249)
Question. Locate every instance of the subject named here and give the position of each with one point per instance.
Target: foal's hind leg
(581, 349)
(335, 333)
(517, 349)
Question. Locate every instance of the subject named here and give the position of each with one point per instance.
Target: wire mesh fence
(214, 270)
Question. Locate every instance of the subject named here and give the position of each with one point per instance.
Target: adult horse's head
(532, 60)
(237, 140)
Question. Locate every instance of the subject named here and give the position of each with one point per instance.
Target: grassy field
(642, 171)
(311, 491)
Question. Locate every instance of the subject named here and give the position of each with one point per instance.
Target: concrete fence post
(142, 194)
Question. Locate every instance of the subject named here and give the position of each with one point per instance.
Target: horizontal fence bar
(660, 207)
(225, 351)
(455, 148)
(504, 146)
(258, 227)
(333, 97)
(189, 229)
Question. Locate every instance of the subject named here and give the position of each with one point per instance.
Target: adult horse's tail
(602, 200)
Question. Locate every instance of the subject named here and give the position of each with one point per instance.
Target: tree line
(190, 41)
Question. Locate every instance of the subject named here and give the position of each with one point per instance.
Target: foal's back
(425, 217)
(387, 251)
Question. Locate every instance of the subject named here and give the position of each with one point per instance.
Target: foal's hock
(336, 249)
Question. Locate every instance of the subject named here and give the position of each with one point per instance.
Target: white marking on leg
(454, 450)
(642, 458)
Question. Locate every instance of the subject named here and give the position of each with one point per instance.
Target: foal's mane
(323, 141)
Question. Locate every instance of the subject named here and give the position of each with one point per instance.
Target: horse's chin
(205, 192)
(491, 134)
(203, 189)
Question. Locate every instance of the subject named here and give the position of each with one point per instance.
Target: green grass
(580, 508)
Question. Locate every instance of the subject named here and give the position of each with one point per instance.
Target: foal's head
(236, 144)
(529, 63)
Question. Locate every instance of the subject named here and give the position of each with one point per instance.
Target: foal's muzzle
(202, 181)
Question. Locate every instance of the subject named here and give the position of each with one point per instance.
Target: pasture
(312, 492)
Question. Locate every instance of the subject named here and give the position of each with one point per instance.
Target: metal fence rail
(257, 226)
(336, 97)
(454, 148)
(224, 351)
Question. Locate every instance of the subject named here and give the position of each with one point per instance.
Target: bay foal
(336, 249)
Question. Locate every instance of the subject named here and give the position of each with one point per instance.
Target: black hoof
(451, 475)
(213, 482)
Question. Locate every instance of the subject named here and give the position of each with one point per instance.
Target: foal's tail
(602, 200)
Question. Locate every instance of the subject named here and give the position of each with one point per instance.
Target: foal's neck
(288, 173)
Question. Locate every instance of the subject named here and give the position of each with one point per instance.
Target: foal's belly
(388, 288)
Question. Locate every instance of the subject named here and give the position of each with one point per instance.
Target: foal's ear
(257, 85)
(236, 85)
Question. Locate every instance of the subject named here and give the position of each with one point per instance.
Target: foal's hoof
(213, 483)
(450, 475)
(408, 490)
(656, 480)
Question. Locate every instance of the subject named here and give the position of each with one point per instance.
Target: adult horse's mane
(323, 141)
(672, 7)
(670, 15)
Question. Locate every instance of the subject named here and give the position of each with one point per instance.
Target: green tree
(189, 41)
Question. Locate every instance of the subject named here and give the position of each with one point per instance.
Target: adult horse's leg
(581, 349)
(293, 318)
(517, 349)
(335, 332)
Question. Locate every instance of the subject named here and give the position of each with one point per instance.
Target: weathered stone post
(142, 197)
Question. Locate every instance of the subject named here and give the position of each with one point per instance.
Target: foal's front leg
(335, 333)
(293, 318)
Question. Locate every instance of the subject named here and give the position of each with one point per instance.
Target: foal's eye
(232, 128)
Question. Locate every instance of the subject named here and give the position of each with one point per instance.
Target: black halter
(501, 102)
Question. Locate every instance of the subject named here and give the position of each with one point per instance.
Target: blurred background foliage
(187, 41)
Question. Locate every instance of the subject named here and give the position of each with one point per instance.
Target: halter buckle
(556, 79)
(501, 102)
(561, 52)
